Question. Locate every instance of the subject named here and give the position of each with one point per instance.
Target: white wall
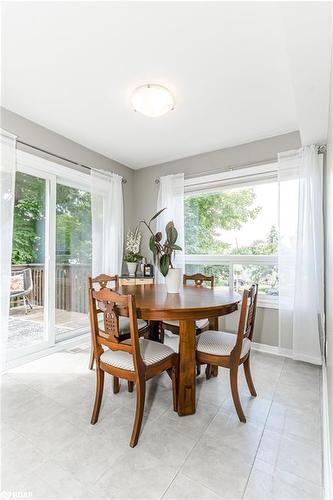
(328, 179)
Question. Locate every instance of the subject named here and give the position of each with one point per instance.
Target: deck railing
(70, 285)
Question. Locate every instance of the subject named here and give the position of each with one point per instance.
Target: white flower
(133, 242)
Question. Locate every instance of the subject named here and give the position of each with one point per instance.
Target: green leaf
(164, 264)
(156, 215)
(176, 247)
(172, 233)
(152, 244)
(169, 225)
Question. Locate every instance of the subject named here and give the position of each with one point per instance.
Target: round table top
(153, 302)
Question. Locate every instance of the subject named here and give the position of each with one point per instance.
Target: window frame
(234, 178)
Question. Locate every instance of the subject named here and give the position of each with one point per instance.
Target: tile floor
(50, 451)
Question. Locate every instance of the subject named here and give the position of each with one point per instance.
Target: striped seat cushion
(151, 352)
(124, 325)
(220, 343)
(200, 323)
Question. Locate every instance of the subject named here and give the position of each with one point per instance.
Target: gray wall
(328, 186)
(145, 200)
(34, 134)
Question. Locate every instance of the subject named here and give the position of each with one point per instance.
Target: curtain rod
(230, 169)
(62, 158)
(322, 148)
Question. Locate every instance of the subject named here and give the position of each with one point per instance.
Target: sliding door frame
(52, 173)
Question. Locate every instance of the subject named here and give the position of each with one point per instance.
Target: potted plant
(163, 253)
(132, 255)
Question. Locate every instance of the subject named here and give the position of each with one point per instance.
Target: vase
(173, 280)
(131, 266)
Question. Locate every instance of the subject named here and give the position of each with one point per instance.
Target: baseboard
(61, 346)
(327, 463)
(272, 349)
(287, 353)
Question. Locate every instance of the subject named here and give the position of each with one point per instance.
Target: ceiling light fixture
(152, 100)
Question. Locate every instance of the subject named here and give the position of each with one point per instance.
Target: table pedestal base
(187, 368)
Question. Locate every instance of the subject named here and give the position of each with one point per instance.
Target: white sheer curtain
(171, 196)
(7, 190)
(107, 222)
(301, 306)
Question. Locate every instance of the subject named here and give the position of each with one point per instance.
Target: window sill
(267, 304)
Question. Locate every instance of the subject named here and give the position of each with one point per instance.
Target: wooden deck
(28, 329)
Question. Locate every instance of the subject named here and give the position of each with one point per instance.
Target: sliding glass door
(29, 300)
(51, 258)
(73, 260)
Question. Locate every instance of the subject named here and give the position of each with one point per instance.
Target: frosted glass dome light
(152, 100)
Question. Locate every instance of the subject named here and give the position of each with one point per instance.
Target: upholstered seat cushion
(124, 325)
(200, 323)
(151, 352)
(220, 343)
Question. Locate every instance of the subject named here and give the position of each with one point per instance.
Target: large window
(231, 231)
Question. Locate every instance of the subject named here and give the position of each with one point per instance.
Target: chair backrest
(26, 279)
(103, 280)
(247, 317)
(198, 279)
(114, 305)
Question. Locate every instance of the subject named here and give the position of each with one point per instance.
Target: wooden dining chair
(136, 359)
(229, 350)
(201, 324)
(102, 281)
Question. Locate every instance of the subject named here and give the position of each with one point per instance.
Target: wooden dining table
(154, 304)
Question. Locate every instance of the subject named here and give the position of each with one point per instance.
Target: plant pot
(131, 266)
(173, 280)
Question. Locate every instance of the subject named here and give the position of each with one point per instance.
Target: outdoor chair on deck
(21, 286)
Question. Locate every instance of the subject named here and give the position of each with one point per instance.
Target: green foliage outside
(206, 216)
(73, 222)
(29, 214)
(73, 227)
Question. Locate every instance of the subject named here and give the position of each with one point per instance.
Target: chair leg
(140, 404)
(215, 370)
(174, 377)
(162, 335)
(99, 394)
(25, 304)
(116, 385)
(235, 394)
(198, 369)
(248, 377)
(92, 359)
(130, 385)
(208, 371)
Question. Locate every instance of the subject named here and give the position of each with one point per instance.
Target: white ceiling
(239, 72)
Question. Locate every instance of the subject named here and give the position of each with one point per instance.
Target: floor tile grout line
(190, 451)
(176, 472)
(263, 430)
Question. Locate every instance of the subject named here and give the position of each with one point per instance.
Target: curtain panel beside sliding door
(7, 190)
(171, 197)
(301, 306)
(107, 222)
